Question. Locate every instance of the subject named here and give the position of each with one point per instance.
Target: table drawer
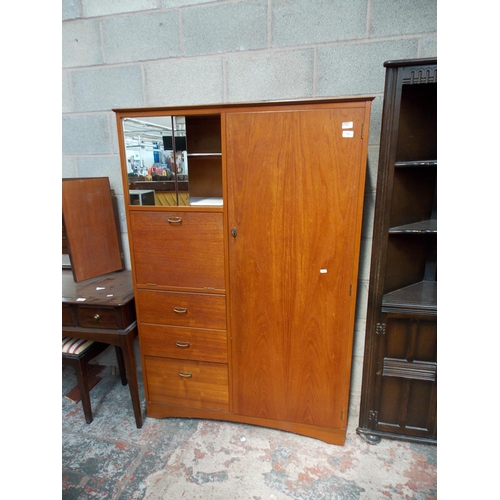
(184, 343)
(193, 384)
(97, 317)
(178, 249)
(195, 310)
(67, 316)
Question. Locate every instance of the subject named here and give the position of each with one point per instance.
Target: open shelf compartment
(420, 297)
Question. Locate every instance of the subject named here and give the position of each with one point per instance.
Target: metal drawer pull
(180, 310)
(174, 220)
(97, 317)
(182, 344)
(185, 374)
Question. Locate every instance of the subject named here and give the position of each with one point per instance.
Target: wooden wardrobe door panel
(295, 189)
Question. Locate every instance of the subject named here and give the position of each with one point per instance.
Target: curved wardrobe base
(329, 435)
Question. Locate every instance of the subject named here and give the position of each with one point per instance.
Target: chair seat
(75, 347)
(77, 353)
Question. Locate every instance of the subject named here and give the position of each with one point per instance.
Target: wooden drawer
(97, 317)
(204, 385)
(178, 249)
(184, 343)
(67, 317)
(197, 310)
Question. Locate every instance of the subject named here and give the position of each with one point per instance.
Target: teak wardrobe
(245, 262)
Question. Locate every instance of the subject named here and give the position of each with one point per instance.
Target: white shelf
(198, 201)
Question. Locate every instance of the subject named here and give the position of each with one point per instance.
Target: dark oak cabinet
(399, 387)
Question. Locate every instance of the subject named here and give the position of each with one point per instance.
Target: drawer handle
(180, 310)
(174, 220)
(97, 317)
(185, 374)
(182, 344)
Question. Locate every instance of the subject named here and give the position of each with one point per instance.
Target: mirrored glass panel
(173, 160)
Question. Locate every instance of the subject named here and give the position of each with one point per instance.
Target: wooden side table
(103, 309)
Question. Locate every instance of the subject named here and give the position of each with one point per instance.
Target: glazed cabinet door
(295, 193)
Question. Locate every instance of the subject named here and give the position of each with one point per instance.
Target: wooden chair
(77, 353)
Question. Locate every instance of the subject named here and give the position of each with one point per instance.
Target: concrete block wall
(137, 53)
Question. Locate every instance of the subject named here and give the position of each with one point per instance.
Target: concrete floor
(199, 459)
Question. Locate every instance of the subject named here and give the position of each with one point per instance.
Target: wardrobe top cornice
(236, 106)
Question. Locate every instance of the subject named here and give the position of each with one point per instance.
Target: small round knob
(97, 317)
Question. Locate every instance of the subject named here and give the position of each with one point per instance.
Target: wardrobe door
(295, 191)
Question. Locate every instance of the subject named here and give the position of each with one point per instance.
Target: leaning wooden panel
(91, 227)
